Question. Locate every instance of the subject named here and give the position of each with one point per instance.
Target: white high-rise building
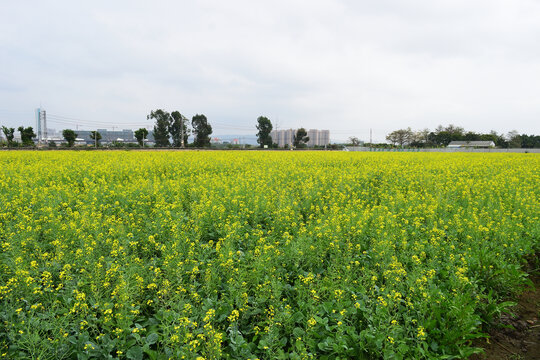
(41, 125)
(286, 137)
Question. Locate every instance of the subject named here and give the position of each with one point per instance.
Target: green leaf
(152, 338)
(297, 332)
(294, 356)
(152, 354)
(298, 316)
(403, 348)
(327, 344)
(135, 353)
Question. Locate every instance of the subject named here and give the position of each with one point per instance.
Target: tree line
(28, 136)
(170, 130)
(443, 135)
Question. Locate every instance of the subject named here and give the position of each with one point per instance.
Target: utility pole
(277, 133)
(370, 138)
(44, 129)
(38, 124)
(182, 130)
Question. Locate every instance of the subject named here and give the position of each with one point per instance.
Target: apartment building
(286, 137)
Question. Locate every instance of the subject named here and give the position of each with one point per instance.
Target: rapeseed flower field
(268, 255)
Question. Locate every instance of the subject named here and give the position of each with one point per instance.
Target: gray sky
(347, 66)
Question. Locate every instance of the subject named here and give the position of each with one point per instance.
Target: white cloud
(347, 66)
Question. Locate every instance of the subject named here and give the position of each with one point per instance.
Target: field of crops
(269, 255)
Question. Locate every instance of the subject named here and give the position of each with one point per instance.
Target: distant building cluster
(286, 137)
(107, 136)
(318, 137)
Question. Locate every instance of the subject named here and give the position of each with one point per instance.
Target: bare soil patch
(517, 335)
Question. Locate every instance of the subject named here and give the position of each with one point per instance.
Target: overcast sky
(347, 66)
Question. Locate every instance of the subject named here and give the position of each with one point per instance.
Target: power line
(75, 121)
(237, 126)
(55, 120)
(86, 122)
(90, 123)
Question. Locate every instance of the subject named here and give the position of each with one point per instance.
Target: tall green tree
(9, 133)
(514, 139)
(530, 141)
(70, 136)
(27, 134)
(471, 136)
(442, 136)
(498, 139)
(161, 127)
(300, 138)
(96, 136)
(401, 137)
(140, 135)
(202, 130)
(264, 125)
(354, 141)
(177, 126)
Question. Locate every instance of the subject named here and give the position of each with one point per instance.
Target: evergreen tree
(140, 135)
(70, 136)
(202, 130)
(161, 127)
(178, 125)
(264, 125)
(96, 136)
(27, 134)
(9, 133)
(300, 138)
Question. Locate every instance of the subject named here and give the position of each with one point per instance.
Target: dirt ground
(516, 337)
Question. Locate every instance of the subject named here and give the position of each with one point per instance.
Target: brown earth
(516, 336)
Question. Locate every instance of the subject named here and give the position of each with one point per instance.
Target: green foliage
(530, 141)
(140, 135)
(401, 137)
(118, 144)
(442, 136)
(96, 136)
(161, 127)
(177, 126)
(9, 133)
(300, 138)
(27, 134)
(70, 136)
(202, 131)
(354, 141)
(264, 125)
